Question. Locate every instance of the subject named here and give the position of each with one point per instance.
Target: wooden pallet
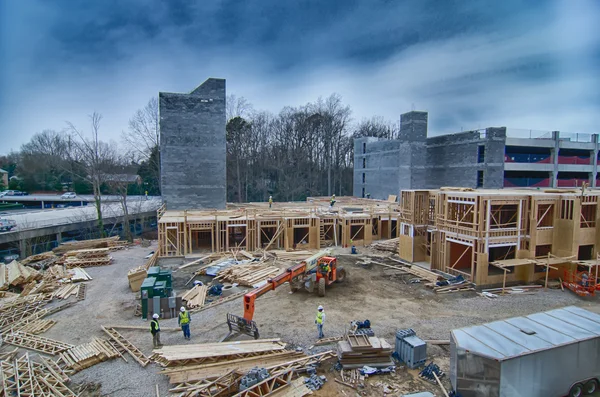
(358, 342)
(37, 343)
(128, 346)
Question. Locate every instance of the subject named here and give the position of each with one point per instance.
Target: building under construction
(297, 225)
(496, 236)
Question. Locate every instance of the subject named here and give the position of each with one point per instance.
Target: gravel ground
(368, 293)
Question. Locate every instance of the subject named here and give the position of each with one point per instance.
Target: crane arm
(271, 284)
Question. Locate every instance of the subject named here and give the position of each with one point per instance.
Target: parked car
(68, 195)
(6, 225)
(15, 193)
(2, 194)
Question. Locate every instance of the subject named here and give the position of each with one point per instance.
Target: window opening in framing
(545, 215)
(364, 177)
(301, 235)
(364, 163)
(585, 252)
(364, 147)
(566, 209)
(500, 254)
(588, 215)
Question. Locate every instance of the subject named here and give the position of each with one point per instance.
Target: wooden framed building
(250, 226)
(480, 234)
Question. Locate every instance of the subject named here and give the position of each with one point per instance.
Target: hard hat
(320, 307)
(182, 309)
(155, 316)
(270, 196)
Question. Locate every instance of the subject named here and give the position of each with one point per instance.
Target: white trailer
(550, 354)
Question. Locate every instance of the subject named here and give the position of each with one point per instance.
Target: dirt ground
(371, 293)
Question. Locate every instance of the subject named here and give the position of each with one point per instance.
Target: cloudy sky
(517, 63)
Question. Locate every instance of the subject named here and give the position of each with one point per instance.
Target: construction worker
(184, 321)
(332, 202)
(155, 330)
(320, 320)
(325, 268)
(270, 201)
(146, 195)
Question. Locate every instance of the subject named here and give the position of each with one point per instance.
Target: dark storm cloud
(476, 63)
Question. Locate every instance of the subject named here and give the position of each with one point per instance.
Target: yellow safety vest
(156, 327)
(319, 317)
(184, 318)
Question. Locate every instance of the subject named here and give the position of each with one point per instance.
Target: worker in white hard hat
(155, 330)
(270, 201)
(184, 321)
(320, 320)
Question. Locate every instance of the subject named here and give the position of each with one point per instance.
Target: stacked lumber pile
(137, 275)
(248, 274)
(109, 242)
(87, 258)
(196, 296)
(223, 376)
(66, 291)
(220, 368)
(24, 376)
(16, 275)
(84, 356)
(176, 355)
(292, 256)
(360, 350)
(386, 245)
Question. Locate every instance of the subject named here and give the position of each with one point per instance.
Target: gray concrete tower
(193, 147)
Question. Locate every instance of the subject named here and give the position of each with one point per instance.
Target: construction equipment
(317, 271)
(582, 279)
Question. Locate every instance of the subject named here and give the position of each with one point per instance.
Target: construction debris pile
(46, 272)
(387, 245)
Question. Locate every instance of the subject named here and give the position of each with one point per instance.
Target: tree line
(299, 152)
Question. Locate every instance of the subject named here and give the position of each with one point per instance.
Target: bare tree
(237, 107)
(142, 135)
(95, 158)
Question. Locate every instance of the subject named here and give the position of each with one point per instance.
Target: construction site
(451, 291)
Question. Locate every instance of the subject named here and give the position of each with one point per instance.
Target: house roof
(3, 171)
(514, 337)
(125, 178)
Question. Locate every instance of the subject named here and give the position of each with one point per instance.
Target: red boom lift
(307, 274)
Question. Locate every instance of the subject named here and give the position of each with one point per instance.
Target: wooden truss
(37, 343)
(128, 346)
(268, 386)
(222, 386)
(23, 377)
(210, 359)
